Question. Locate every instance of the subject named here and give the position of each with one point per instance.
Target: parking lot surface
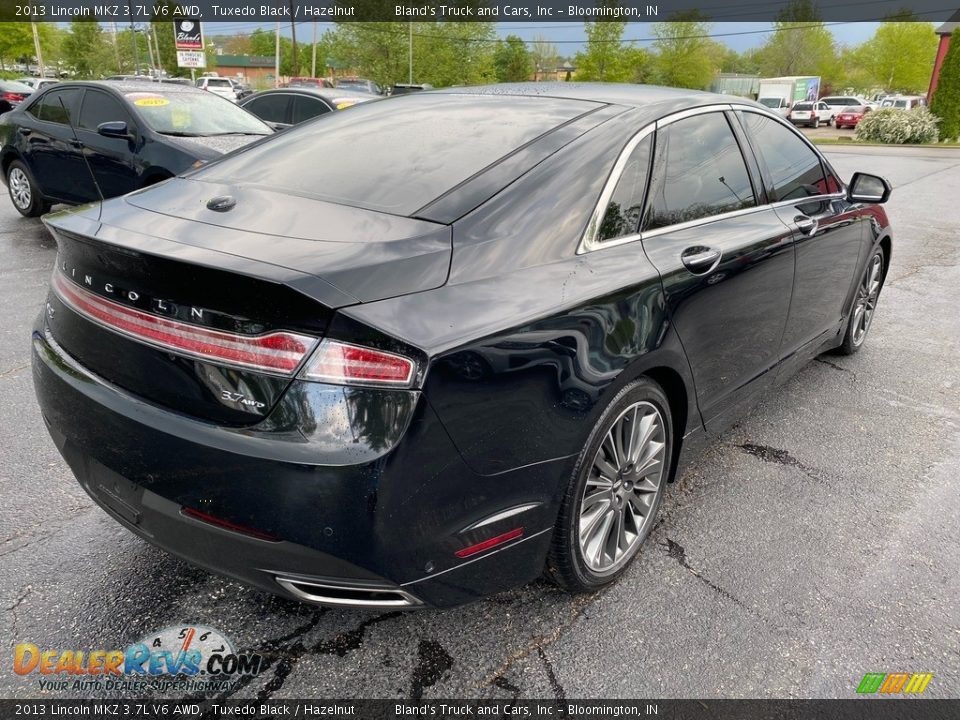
(815, 541)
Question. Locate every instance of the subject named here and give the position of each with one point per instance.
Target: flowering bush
(899, 127)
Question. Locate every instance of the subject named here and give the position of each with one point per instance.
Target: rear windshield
(396, 155)
(803, 106)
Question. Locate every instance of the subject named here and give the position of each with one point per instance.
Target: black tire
(830, 122)
(23, 191)
(816, 123)
(856, 333)
(567, 565)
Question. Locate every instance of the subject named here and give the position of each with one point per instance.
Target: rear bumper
(379, 533)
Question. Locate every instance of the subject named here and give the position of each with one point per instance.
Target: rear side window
(623, 211)
(794, 169)
(305, 108)
(271, 108)
(57, 106)
(99, 107)
(396, 156)
(700, 172)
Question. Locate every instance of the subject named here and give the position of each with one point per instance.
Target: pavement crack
(14, 370)
(12, 609)
(841, 368)
(782, 457)
(577, 608)
(558, 690)
(679, 553)
(504, 684)
(432, 662)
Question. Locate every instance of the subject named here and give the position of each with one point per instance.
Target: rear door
(111, 159)
(828, 231)
(725, 259)
(52, 151)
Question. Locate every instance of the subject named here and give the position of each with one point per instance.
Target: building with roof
(249, 67)
(945, 32)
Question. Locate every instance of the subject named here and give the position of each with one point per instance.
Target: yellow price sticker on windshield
(345, 104)
(151, 102)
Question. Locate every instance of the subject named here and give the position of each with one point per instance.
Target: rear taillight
(343, 364)
(13, 97)
(276, 352)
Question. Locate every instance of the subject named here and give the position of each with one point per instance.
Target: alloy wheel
(866, 301)
(620, 494)
(20, 191)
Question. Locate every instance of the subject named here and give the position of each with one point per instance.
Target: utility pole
(133, 42)
(276, 63)
(156, 45)
(293, 34)
(313, 55)
(116, 46)
(36, 47)
(410, 51)
(153, 65)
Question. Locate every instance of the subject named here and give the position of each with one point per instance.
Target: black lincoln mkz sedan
(425, 350)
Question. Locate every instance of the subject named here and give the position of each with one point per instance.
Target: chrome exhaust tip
(335, 594)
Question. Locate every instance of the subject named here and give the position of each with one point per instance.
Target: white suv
(218, 86)
(812, 113)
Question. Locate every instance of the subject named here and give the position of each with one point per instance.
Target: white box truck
(779, 94)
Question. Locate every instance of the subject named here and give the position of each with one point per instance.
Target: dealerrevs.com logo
(894, 683)
(181, 658)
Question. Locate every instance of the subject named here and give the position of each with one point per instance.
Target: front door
(726, 262)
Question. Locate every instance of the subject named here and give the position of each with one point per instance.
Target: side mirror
(278, 126)
(114, 129)
(866, 188)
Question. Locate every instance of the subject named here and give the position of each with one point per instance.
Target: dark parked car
(310, 82)
(359, 84)
(291, 106)
(12, 94)
(423, 350)
(128, 134)
(407, 88)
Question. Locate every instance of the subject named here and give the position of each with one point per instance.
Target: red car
(850, 116)
(309, 82)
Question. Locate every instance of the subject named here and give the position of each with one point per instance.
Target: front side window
(700, 172)
(622, 216)
(305, 108)
(794, 169)
(99, 107)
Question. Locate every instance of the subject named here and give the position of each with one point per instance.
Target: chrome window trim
(589, 242)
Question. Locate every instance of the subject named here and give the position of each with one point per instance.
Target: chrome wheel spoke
(622, 487)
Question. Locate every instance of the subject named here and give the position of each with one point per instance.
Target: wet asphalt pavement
(817, 540)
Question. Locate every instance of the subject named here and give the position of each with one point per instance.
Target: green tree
(606, 58)
(16, 42)
(686, 57)
(946, 98)
(88, 51)
(899, 57)
(800, 45)
(512, 61)
(545, 54)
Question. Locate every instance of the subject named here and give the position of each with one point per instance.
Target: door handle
(807, 225)
(24, 131)
(699, 260)
(76, 143)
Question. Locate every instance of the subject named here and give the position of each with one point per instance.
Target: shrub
(946, 99)
(898, 127)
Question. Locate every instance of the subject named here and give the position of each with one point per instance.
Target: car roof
(325, 93)
(652, 100)
(129, 86)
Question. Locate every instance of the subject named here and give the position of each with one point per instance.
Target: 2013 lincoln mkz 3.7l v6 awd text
(428, 349)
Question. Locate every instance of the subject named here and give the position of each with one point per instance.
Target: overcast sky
(569, 37)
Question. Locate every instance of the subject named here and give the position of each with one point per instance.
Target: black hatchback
(126, 135)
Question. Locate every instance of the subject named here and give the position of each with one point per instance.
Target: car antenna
(79, 146)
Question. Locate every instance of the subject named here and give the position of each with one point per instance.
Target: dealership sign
(190, 59)
(188, 34)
